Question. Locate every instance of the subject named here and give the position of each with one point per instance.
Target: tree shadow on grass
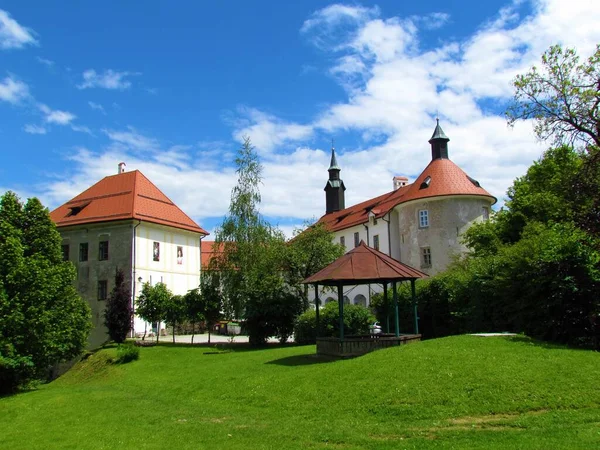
(522, 339)
(302, 360)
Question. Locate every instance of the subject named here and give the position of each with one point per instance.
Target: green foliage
(250, 268)
(175, 312)
(43, 321)
(563, 97)
(311, 249)
(153, 303)
(357, 320)
(127, 353)
(118, 312)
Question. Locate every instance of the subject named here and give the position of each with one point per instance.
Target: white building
(124, 221)
(419, 224)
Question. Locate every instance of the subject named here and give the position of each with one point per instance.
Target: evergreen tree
(118, 313)
(43, 321)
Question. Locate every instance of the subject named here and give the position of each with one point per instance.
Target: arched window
(329, 300)
(360, 300)
(346, 300)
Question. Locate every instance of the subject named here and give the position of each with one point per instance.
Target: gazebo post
(397, 319)
(387, 308)
(317, 301)
(414, 301)
(341, 309)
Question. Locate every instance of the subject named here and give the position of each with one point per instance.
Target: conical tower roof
(333, 165)
(438, 133)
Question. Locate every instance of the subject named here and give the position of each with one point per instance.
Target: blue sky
(171, 88)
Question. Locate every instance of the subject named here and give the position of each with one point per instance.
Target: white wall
(179, 278)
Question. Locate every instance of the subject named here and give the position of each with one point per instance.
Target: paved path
(203, 339)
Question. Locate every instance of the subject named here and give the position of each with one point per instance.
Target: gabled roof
(362, 265)
(128, 195)
(445, 179)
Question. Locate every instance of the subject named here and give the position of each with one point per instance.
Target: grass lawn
(456, 392)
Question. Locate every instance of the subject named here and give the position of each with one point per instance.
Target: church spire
(334, 189)
(439, 143)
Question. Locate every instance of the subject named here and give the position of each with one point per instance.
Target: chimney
(399, 182)
(121, 167)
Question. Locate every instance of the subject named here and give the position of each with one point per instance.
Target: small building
(124, 221)
(419, 224)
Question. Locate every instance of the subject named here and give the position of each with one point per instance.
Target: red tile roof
(128, 195)
(446, 179)
(208, 252)
(364, 264)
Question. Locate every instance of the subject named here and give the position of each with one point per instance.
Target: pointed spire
(438, 133)
(333, 165)
(439, 143)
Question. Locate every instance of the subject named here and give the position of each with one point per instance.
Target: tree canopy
(563, 98)
(118, 312)
(43, 321)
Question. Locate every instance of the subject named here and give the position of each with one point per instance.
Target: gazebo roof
(363, 265)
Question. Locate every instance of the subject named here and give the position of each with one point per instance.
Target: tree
(175, 312)
(211, 300)
(309, 251)
(118, 313)
(243, 234)
(563, 97)
(43, 321)
(152, 304)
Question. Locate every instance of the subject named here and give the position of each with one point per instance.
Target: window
(376, 242)
(374, 221)
(356, 239)
(423, 218)
(343, 240)
(103, 251)
(83, 251)
(425, 257)
(102, 289)
(486, 213)
(156, 251)
(65, 252)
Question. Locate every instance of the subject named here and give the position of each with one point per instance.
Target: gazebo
(364, 265)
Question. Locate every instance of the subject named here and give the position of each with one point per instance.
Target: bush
(356, 321)
(127, 353)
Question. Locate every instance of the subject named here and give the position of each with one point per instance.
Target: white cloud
(132, 139)
(56, 116)
(13, 35)
(82, 129)
(97, 107)
(109, 79)
(34, 129)
(268, 132)
(44, 61)
(13, 91)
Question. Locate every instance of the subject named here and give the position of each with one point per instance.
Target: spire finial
(333, 165)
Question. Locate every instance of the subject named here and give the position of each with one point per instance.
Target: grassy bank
(457, 392)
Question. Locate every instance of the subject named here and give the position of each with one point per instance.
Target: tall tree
(310, 250)
(118, 313)
(43, 321)
(152, 304)
(175, 312)
(563, 97)
(243, 234)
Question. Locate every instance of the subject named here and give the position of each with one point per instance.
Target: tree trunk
(145, 329)
(174, 324)
(209, 334)
(157, 331)
(193, 331)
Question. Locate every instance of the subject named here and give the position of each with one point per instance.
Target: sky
(172, 88)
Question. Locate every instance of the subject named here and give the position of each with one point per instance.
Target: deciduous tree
(43, 321)
(152, 304)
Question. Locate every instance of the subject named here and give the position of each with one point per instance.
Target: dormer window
(425, 183)
(74, 210)
(475, 182)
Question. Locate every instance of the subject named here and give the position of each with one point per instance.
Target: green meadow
(456, 392)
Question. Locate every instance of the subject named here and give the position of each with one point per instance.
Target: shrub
(127, 353)
(356, 321)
